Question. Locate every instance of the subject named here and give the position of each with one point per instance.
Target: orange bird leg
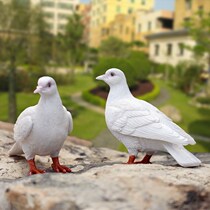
(33, 169)
(59, 168)
(145, 160)
(131, 159)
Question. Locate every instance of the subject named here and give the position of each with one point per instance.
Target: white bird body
(43, 128)
(142, 127)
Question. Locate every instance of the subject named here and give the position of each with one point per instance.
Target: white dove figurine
(43, 128)
(142, 127)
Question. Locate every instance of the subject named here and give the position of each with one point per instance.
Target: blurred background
(163, 47)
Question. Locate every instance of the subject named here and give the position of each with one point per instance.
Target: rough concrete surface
(100, 181)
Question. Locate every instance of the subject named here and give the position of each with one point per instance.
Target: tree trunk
(12, 94)
(208, 81)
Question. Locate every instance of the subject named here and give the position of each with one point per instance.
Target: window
(187, 20)
(157, 48)
(104, 19)
(169, 49)
(143, 2)
(48, 4)
(130, 10)
(65, 6)
(188, 4)
(48, 14)
(63, 16)
(61, 26)
(121, 28)
(149, 25)
(104, 8)
(181, 49)
(118, 9)
(139, 28)
(127, 30)
(132, 1)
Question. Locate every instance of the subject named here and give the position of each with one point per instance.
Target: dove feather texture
(43, 128)
(142, 127)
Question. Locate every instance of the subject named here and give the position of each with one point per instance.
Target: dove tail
(182, 156)
(15, 150)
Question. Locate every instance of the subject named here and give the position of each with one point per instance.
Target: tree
(20, 34)
(71, 43)
(199, 29)
(114, 47)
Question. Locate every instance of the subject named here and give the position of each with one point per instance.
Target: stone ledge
(100, 181)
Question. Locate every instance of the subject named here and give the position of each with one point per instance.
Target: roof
(172, 33)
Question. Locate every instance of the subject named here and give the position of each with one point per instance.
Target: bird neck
(118, 91)
(51, 100)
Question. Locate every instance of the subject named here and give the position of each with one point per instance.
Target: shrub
(141, 64)
(203, 100)
(96, 100)
(120, 63)
(93, 99)
(151, 95)
(186, 76)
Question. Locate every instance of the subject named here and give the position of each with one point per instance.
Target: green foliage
(114, 47)
(186, 76)
(120, 63)
(93, 99)
(203, 100)
(69, 44)
(151, 95)
(140, 63)
(96, 100)
(198, 27)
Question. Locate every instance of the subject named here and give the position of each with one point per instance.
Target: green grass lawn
(87, 124)
(194, 120)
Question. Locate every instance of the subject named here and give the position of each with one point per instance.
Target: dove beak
(102, 77)
(38, 89)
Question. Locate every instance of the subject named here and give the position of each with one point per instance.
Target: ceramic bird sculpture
(142, 127)
(43, 128)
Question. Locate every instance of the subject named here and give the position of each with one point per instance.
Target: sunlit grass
(87, 124)
(194, 120)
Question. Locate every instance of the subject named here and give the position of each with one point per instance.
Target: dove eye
(49, 84)
(112, 74)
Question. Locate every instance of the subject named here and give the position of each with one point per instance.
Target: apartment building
(106, 13)
(150, 22)
(167, 47)
(185, 9)
(56, 13)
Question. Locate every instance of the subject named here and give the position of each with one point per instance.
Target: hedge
(151, 95)
(96, 100)
(93, 99)
(203, 100)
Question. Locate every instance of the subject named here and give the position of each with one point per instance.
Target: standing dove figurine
(43, 128)
(142, 127)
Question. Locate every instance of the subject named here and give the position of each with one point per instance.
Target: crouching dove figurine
(142, 127)
(43, 128)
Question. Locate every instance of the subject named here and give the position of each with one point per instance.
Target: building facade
(185, 9)
(105, 12)
(56, 13)
(149, 22)
(167, 47)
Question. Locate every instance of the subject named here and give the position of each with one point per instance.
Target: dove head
(46, 86)
(113, 77)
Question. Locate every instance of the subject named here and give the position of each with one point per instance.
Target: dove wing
(24, 125)
(133, 118)
(70, 120)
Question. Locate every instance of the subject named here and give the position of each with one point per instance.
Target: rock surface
(100, 181)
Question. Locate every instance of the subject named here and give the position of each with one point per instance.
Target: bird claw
(61, 168)
(142, 162)
(36, 171)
